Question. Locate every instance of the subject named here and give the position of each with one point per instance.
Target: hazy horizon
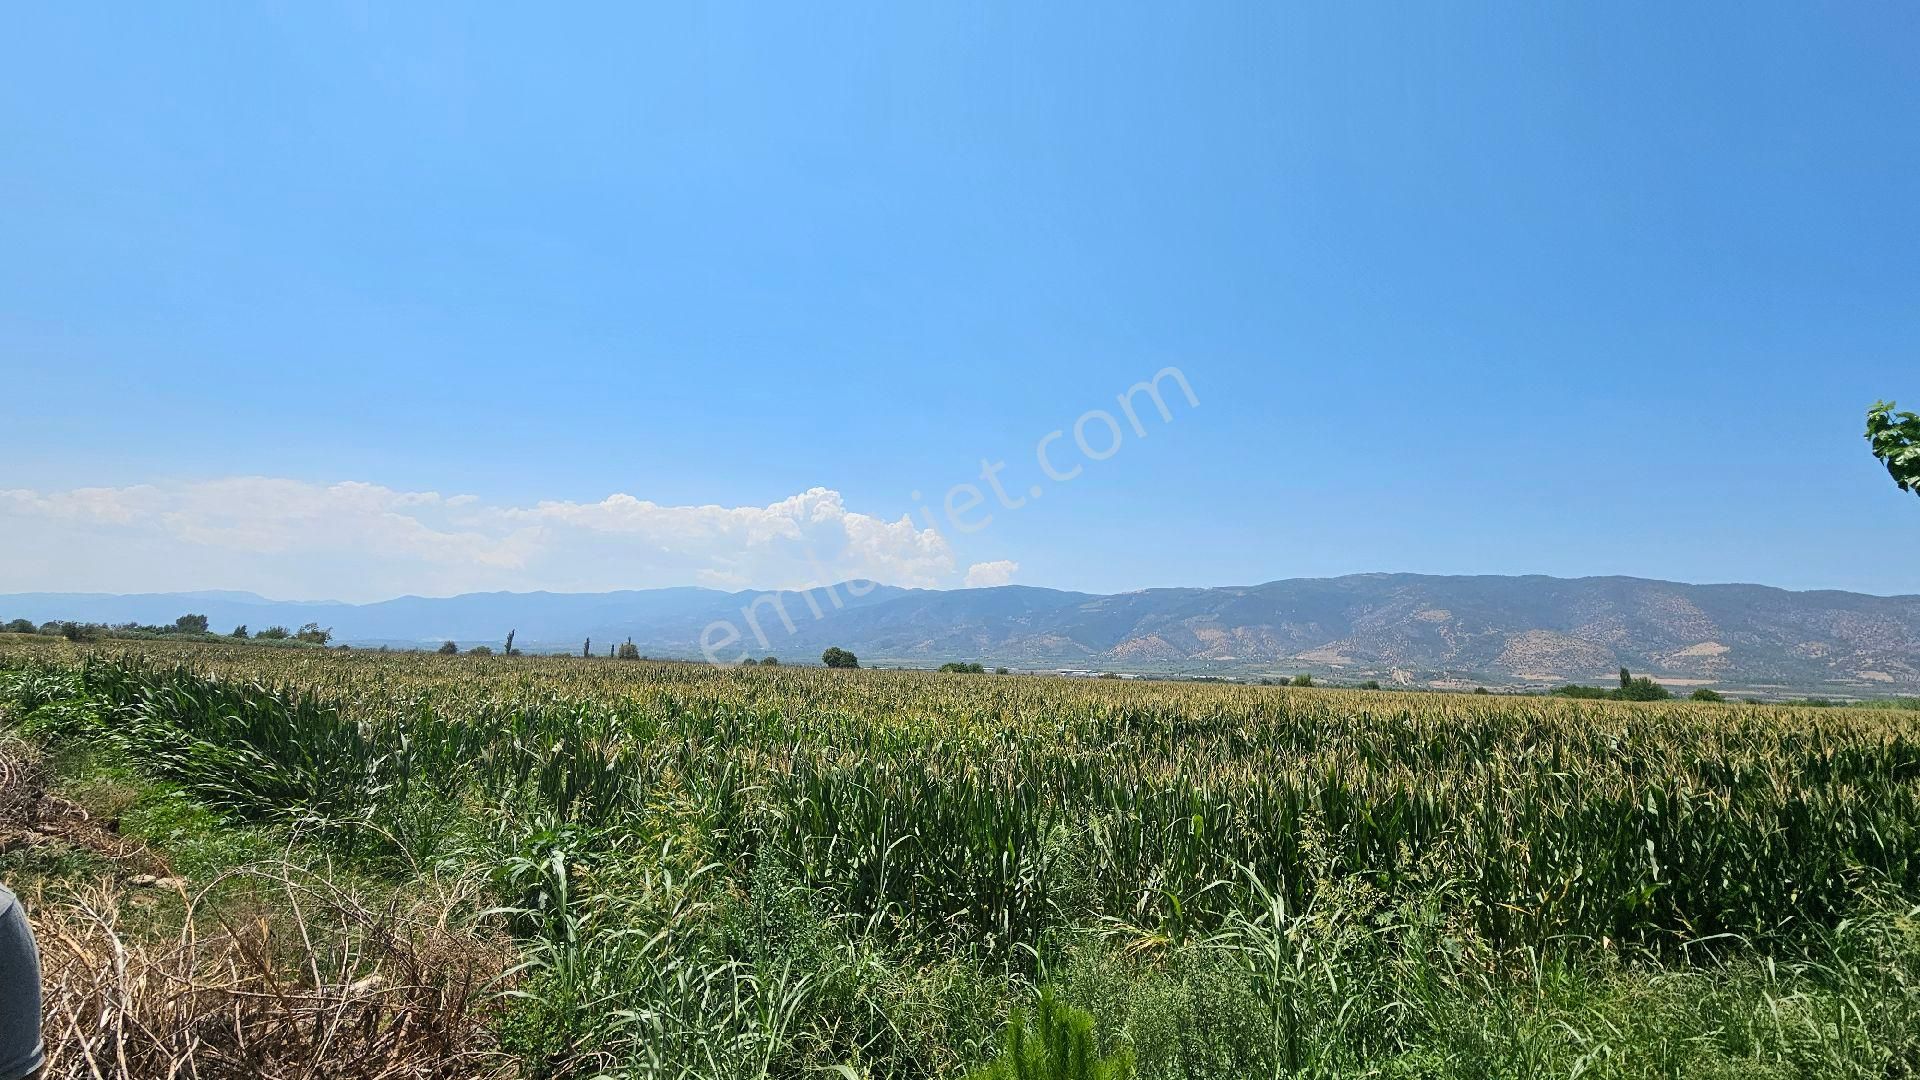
(953, 588)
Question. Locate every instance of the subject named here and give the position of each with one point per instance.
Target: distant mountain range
(1409, 628)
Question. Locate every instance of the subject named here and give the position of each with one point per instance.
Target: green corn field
(788, 872)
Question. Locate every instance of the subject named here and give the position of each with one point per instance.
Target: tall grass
(758, 872)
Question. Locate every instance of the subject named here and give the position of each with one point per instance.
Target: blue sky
(1515, 290)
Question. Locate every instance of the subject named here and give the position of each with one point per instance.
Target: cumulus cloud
(983, 575)
(358, 540)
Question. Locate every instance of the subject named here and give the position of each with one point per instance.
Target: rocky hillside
(1420, 629)
(1411, 628)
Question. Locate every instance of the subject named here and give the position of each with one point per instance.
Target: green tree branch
(1895, 437)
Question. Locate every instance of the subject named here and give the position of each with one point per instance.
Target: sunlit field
(693, 871)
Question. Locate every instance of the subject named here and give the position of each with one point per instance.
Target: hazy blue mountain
(1413, 628)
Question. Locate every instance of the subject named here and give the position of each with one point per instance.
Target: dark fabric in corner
(20, 1049)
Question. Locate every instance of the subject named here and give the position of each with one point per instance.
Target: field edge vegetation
(669, 871)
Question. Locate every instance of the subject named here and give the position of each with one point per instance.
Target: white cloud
(983, 575)
(356, 540)
(115, 506)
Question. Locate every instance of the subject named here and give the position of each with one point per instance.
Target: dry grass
(31, 815)
(310, 984)
(272, 971)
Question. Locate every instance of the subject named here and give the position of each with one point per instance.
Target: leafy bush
(1895, 438)
(1641, 689)
(1631, 689)
(1057, 1044)
(1588, 693)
